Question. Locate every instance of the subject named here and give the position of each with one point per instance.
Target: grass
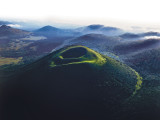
(77, 55)
(139, 81)
(6, 61)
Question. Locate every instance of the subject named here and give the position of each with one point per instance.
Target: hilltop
(51, 32)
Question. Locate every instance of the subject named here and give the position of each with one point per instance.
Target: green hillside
(71, 83)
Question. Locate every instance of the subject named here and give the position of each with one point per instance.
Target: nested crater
(71, 55)
(74, 53)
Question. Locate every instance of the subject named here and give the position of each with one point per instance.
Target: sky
(120, 13)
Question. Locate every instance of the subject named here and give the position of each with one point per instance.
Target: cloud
(152, 37)
(15, 25)
(35, 38)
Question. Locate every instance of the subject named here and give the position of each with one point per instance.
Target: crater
(74, 53)
(77, 55)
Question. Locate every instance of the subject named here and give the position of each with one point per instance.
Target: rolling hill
(9, 31)
(98, 42)
(15, 43)
(129, 36)
(99, 29)
(7, 34)
(74, 82)
(139, 36)
(51, 32)
(151, 33)
(136, 46)
(147, 61)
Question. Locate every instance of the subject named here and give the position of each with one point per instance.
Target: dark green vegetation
(71, 83)
(136, 46)
(148, 61)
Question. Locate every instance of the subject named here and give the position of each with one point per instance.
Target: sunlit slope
(80, 54)
(72, 83)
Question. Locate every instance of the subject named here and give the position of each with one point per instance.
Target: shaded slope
(9, 31)
(136, 46)
(129, 36)
(147, 61)
(99, 29)
(51, 32)
(98, 42)
(47, 29)
(71, 83)
(150, 34)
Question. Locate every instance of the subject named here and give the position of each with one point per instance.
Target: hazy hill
(136, 46)
(139, 36)
(99, 29)
(50, 31)
(4, 22)
(151, 34)
(15, 43)
(129, 36)
(48, 28)
(147, 61)
(99, 42)
(9, 31)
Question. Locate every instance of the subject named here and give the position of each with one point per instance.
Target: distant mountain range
(96, 29)
(98, 37)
